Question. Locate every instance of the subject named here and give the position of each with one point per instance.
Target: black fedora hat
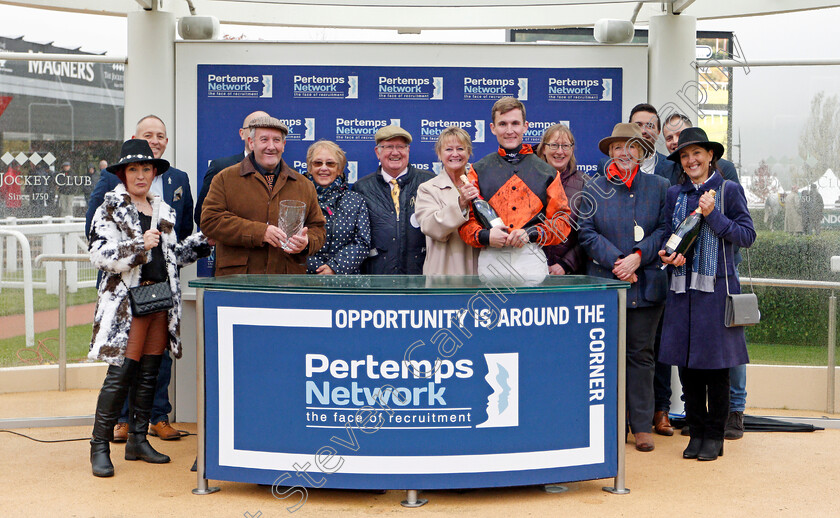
(137, 150)
(697, 137)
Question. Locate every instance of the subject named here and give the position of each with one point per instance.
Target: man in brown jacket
(242, 207)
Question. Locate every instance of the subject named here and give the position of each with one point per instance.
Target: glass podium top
(400, 284)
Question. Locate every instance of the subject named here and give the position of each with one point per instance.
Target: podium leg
(202, 488)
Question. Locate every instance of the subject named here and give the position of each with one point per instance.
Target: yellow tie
(395, 195)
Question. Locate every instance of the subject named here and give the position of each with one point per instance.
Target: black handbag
(150, 298)
(741, 308)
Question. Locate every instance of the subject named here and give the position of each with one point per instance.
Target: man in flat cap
(398, 246)
(242, 207)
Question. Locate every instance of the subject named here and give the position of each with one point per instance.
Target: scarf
(704, 264)
(516, 155)
(328, 196)
(613, 171)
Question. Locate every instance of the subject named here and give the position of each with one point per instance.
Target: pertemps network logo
(302, 129)
(430, 129)
(568, 89)
(414, 88)
(230, 85)
(503, 402)
(492, 88)
(336, 87)
(535, 130)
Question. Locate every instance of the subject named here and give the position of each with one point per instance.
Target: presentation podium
(409, 382)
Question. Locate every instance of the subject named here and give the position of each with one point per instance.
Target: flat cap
(391, 131)
(269, 122)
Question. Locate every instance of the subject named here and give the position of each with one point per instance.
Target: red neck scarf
(613, 171)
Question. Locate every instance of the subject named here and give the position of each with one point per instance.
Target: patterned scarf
(328, 196)
(704, 265)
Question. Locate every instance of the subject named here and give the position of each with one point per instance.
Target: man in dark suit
(217, 165)
(173, 186)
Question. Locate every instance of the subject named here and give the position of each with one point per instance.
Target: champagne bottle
(684, 236)
(484, 213)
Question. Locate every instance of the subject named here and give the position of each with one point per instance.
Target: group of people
(547, 218)
(804, 210)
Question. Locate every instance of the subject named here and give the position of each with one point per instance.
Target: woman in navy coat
(348, 226)
(622, 225)
(694, 337)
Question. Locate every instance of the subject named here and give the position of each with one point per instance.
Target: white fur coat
(116, 248)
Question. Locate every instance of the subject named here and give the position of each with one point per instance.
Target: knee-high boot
(137, 446)
(108, 406)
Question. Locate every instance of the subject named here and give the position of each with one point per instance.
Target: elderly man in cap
(398, 246)
(242, 208)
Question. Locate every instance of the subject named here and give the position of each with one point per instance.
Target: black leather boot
(137, 446)
(693, 448)
(734, 426)
(711, 449)
(108, 407)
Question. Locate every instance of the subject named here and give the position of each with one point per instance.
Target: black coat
(397, 242)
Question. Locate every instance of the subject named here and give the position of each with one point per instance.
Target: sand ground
(764, 474)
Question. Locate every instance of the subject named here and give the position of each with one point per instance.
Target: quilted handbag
(150, 298)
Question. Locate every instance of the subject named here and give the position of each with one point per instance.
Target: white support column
(672, 73)
(150, 72)
(673, 88)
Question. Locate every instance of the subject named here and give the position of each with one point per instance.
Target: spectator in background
(217, 165)
(793, 217)
(11, 193)
(817, 208)
(91, 179)
(103, 165)
(557, 147)
(67, 189)
(398, 246)
(443, 205)
(347, 228)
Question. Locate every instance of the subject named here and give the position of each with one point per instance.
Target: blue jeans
(161, 406)
(737, 388)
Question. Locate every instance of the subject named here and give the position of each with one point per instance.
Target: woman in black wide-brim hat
(694, 337)
(131, 253)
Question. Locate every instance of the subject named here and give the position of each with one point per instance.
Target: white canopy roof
(433, 14)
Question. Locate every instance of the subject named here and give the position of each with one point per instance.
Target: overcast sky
(771, 104)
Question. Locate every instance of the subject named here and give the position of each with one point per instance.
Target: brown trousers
(149, 334)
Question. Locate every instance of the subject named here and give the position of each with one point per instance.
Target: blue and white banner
(429, 391)
(348, 104)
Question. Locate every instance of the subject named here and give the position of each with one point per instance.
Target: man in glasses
(398, 246)
(218, 164)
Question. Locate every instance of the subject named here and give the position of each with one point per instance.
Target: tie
(395, 195)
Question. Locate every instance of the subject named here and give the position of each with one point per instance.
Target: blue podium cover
(410, 391)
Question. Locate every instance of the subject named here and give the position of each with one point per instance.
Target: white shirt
(387, 177)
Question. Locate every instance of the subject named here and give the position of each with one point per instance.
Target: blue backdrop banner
(429, 391)
(347, 104)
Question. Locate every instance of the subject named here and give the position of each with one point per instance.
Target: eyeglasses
(391, 147)
(648, 125)
(318, 163)
(555, 146)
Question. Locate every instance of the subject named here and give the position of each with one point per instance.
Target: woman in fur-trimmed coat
(124, 245)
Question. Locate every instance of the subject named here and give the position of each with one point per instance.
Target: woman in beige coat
(442, 206)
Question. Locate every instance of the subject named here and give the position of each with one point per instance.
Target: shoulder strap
(747, 250)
